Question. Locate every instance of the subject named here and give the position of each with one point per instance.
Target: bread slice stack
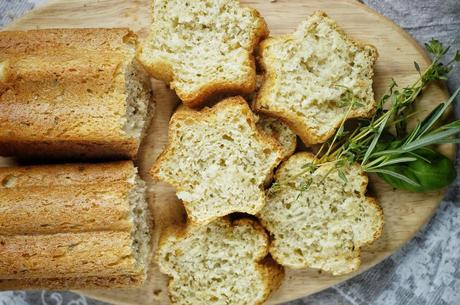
(73, 226)
(319, 218)
(72, 94)
(315, 78)
(218, 263)
(204, 47)
(217, 160)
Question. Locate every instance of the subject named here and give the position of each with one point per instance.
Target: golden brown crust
(64, 94)
(163, 70)
(119, 281)
(305, 133)
(188, 114)
(68, 225)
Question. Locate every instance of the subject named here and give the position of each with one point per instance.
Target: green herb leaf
(342, 175)
(417, 67)
(391, 171)
(436, 174)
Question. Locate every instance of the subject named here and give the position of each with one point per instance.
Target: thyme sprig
(373, 145)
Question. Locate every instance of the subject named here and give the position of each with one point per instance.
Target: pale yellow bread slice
(217, 160)
(316, 77)
(280, 131)
(320, 219)
(203, 47)
(219, 263)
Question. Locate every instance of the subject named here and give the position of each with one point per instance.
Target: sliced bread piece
(315, 78)
(217, 160)
(203, 47)
(320, 219)
(219, 263)
(280, 131)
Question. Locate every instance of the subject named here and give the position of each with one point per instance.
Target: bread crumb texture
(324, 226)
(280, 131)
(203, 47)
(217, 160)
(219, 263)
(313, 76)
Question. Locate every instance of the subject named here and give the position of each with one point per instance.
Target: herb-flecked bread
(280, 131)
(320, 218)
(217, 160)
(72, 94)
(203, 47)
(316, 77)
(222, 262)
(73, 226)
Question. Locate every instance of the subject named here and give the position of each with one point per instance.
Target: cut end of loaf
(141, 219)
(138, 96)
(314, 76)
(219, 263)
(203, 48)
(324, 226)
(217, 160)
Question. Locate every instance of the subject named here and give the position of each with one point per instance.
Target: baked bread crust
(162, 55)
(171, 245)
(71, 93)
(73, 226)
(228, 130)
(324, 226)
(321, 104)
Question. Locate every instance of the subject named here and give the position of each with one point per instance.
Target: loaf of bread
(72, 93)
(280, 131)
(203, 47)
(219, 263)
(217, 160)
(320, 219)
(315, 78)
(73, 226)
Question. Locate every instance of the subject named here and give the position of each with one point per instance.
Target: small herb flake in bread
(320, 219)
(217, 160)
(219, 263)
(313, 76)
(203, 47)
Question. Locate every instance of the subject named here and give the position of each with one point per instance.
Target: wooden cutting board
(404, 212)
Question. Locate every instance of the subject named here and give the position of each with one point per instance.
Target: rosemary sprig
(369, 145)
(361, 145)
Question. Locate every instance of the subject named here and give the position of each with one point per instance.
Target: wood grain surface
(404, 212)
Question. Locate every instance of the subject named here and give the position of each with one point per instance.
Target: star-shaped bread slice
(218, 160)
(320, 217)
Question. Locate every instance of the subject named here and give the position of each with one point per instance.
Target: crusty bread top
(203, 47)
(217, 160)
(324, 225)
(65, 84)
(313, 75)
(58, 199)
(75, 220)
(219, 263)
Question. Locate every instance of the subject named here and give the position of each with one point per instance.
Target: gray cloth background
(426, 271)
